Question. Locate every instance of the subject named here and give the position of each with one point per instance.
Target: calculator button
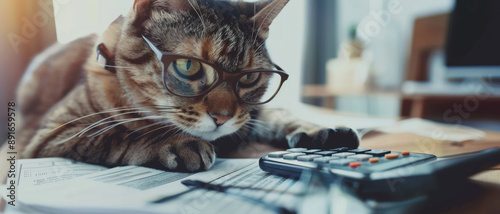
(324, 159)
(277, 154)
(341, 149)
(377, 152)
(354, 164)
(340, 162)
(391, 156)
(360, 157)
(343, 154)
(308, 157)
(311, 151)
(296, 150)
(405, 153)
(292, 156)
(373, 160)
(325, 153)
(359, 150)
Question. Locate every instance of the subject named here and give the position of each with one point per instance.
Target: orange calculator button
(391, 156)
(354, 164)
(373, 160)
(405, 153)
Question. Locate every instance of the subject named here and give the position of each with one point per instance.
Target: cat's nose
(219, 118)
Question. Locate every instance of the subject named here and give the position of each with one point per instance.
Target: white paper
(119, 188)
(320, 117)
(40, 171)
(276, 190)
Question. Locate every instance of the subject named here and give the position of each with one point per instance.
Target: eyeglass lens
(189, 77)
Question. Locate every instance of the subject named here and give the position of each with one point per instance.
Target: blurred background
(433, 59)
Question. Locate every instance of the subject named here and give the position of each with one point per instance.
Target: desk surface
(323, 91)
(481, 196)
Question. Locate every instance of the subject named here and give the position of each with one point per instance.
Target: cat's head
(229, 37)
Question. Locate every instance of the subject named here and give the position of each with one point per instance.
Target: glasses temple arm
(154, 48)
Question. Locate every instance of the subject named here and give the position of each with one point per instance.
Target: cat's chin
(207, 130)
(210, 135)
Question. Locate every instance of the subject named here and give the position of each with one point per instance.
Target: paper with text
(128, 187)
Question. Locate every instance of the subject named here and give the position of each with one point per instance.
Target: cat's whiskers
(98, 123)
(93, 114)
(118, 109)
(237, 135)
(133, 110)
(151, 131)
(199, 15)
(259, 47)
(178, 130)
(258, 123)
(169, 130)
(80, 133)
(258, 126)
(144, 127)
(122, 120)
(253, 26)
(258, 29)
(101, 131)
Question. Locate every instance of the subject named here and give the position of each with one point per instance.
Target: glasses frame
(166, 58)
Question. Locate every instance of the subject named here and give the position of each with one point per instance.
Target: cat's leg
(185, 153)
(299, 133)
(115, 147)
(179, 152)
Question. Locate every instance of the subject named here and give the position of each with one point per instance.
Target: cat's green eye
(188, 69)
(249, 80)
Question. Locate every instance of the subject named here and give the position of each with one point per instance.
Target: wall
(361, 11)
(286, 47)
(26, 28)
(386, 26)
(75, 19)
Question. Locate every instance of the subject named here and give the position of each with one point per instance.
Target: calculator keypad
(325, 153)
(307, 157)
(360, 157)
(296, 150)
(324, 159)
(340, 162)
(364, 160)
(311, 151)
(378, 152)
(343, 154)
(292, 156)
(277, 154)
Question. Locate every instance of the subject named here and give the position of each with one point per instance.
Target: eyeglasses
(187, 76)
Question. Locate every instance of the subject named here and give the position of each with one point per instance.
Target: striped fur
(129, 118)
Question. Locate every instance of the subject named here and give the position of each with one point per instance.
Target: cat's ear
(142, 9)
(169, 6)
(265, 17)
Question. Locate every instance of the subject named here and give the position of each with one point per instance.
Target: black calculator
(381, 174)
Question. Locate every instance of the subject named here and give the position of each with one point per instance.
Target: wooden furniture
(413, 105)
(429, 34)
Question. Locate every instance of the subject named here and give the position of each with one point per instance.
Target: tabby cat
(182, 81)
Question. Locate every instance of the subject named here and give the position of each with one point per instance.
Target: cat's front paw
(189, 155)
(327, 138)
